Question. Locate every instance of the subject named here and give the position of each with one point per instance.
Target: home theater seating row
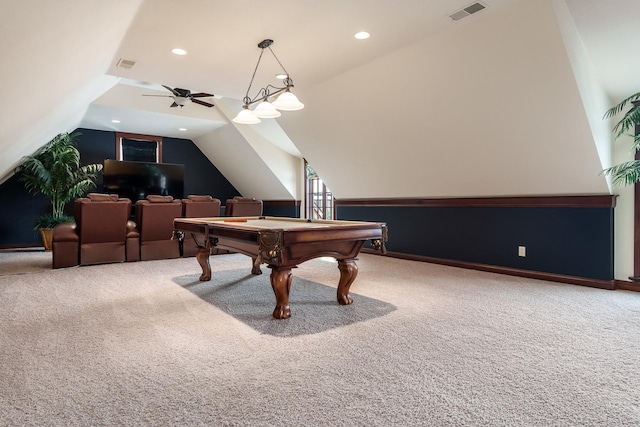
(103, 232)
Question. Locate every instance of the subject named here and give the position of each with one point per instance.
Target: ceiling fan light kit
(181, 101)
(286, 101)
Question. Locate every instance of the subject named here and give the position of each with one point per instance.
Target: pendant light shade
(266, 110)
(246, 117)
(288, 102)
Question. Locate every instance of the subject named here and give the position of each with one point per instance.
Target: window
(138, 148)
(319, 199)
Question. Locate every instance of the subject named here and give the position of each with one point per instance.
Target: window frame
(157, 140)
(328, 202)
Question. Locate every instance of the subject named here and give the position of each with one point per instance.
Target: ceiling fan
(182, 97)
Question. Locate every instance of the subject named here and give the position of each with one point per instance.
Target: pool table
(282, 244)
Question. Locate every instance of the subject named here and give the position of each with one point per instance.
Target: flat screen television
(137, 180)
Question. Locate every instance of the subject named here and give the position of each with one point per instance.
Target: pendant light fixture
(283, 98)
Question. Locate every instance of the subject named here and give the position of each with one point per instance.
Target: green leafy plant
(55, 172)
(626, 173)
(311, 173)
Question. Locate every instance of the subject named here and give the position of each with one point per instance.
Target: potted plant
(626, 173)
(54, 171)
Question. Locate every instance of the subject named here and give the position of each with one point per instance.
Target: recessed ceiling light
(361, 35)
(115, 121)
(182, 129)
(179, 51)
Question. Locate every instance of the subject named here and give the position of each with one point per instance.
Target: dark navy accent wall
(286, 211)
(20, 209)
(95, 146)
(568, 241)
(18, 213)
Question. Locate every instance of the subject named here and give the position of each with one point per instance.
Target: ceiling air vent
(125, 63)
(471, 9)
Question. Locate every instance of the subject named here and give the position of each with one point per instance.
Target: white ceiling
(314, 42)
(313, 39)
(59, 58)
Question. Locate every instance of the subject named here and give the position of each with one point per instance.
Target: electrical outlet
(522, 251)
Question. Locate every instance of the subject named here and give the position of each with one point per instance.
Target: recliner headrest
(197, 198)
(99, 197)
(159, 199)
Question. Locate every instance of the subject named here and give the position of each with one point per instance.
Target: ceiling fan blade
(200, 95)
(163, 96)
(206, 104)
(174, 105)
(173, 91)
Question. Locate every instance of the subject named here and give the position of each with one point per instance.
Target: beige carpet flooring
(146, 344)
(22, 261)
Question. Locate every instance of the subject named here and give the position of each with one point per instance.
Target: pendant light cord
(246, 99)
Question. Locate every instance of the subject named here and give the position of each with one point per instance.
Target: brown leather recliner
(154, 217)
(102, 232)
(243, 206)
(196, 206)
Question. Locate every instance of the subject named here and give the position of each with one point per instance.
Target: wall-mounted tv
(137, 180)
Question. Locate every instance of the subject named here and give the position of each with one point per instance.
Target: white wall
(596, 103)
(594, 98)
(488, 108)
(624, 211)
(254, 165)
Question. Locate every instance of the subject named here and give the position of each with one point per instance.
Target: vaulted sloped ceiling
(487, 109)
(55, 56)
(259, 160)
(493, 104)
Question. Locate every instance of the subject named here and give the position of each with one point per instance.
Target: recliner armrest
(66, 243)
(66, 232)
(133, 242)
(132, 229)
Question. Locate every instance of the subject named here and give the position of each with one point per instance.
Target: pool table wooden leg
(281, 284)
(348, 273)
(255, 267)
(203, 259)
